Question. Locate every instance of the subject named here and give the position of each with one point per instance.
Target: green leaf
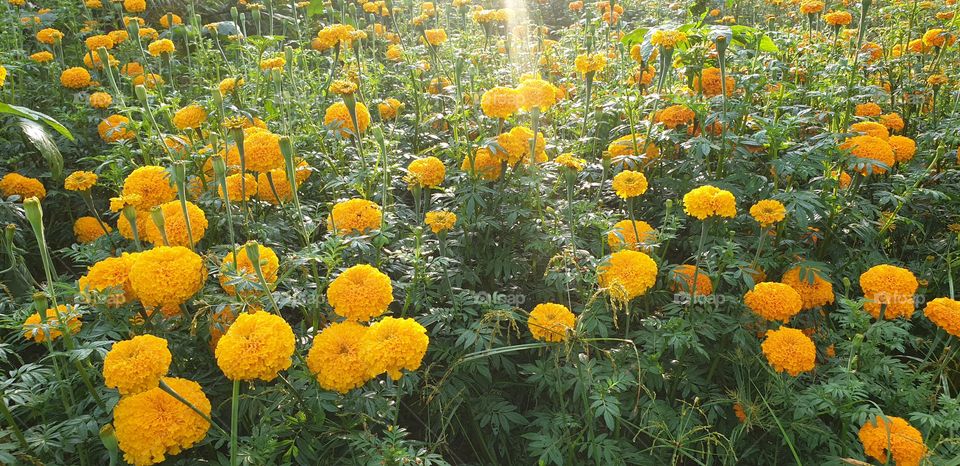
(634, 37)
(40, 138)
(316, 8)
(34, 115)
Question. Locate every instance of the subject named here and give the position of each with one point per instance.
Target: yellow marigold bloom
(354, 216)
(92, 60)
(392, 345)
(873, 50)
(707, 201)
(568, 161)
(591, 63)
(100, 100)
(109, 278)
(676, 115)
(394, 52)
(890, 288)
(175, 226)
(774, 301)
(135, 6)
(119, 36)
(435, 37)
(938, 38)
(550, 322)
(338, 117)
(42, 57)
(838, 19)
(275, 63)
(281, 185)
(15, 184)
(768, 211)
(516, 144)
(891, 437)
(681, 279)
(228, 85)
(95, 42)
(136, 365)
(360, 293)
(814, 290)
(537, 93)
(75, 78)
(868, 109)
(132, 69)
(189, 117)
(261, 149)
(788, 349)
(235, 184)
(892, 121)
(170, 19)
(389, 108)
(667, 39)
(484, 164)
(624, 147)
(152, 184)
(440, 220)
(500, 102)
(269, 265)
(49, 36)
(167, 275)
(903, 147)
(870, 148)
(343, 87)
(627, 274)
(152, 424)
(871, 128)
(148, 80)
(628, 184)
(87, 229)
(56, 318)
(160, 46)
(334, 357)
(426, 172)
(627, 234)
(114, 128)
(257, 346)
(709, 82)
(811, 7)
(93, 4)
(944, 312)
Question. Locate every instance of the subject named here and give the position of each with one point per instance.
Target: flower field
(479, 232)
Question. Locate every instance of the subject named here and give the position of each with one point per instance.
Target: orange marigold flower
(892, 437)
(788, 349)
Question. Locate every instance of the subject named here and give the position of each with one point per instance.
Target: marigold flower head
(189, 117)
(484, 164)
(169, 19)
(38, 330)
(838, 19)
(114, 128)
(354, 216)
(96, 41)
(109, 277)
(360, 293)
(132, 69)
(167, 276)
(175, 225)
(135, 6)
(269, 265)
(676, 115)
(889, 288)
(591, 63)
(682, 279)
(228, 85)
(338, 117)
(281, 185)
(629, 184)
(707, 201)
(435, 37)
(334, 357)
(152, 184)
(550, 322)
(624, 147)
(49, 36)
(500, 102)
(275, 63)
(814, 290)
(100, 100)
(75, 78)
(148, 80)
(945, 313)
(667, 39)
(768, 212)
(811, 7)
(709, 82)
(87, 229)
(537, 93)
(394, 52)
(788, 349)
(893, 122)
(570, 162)
(257, 346)
(903, 147)
(243, 187)
(152, 424)
(42, 57)
(261, 149)
(343, 87)
(868, 109)
(440, 220)
(161, 46)
(15, 184)
(871, 128)
(773, 301)
(389, 108)
(426, 172)
(391, 345)
(938, 38)
(627, 234)
(873, 149)
(627, 274)
(136, 365)
(891, 437)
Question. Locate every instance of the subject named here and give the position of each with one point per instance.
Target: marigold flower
(100, 100)
(75, 78)
(136, 365)
(49, 36)
(484, 164)
(394, 52)
(170, 19)
(281, 186)
(868, 109)
(96, 41)
(629, 184)
(392, 345)
(591, 63)
(873, 149)
(435, 37)
(667, 39)
(627, 274)
(676, 115)
(261, 150)
(624, 147)
(550, 322)
(537, 93)
(56, 319)
(152, 424)
(903, 147)
(334, 357)
(681, 279)
(570, 162)
(338, 117)
(119, 36)
(275, 63)
(773, 301)
(814, 290)
(87, 229)
(114, 128)
(161, 46)
(627, 234)
(440, 220)
(343, 87)
(354, 216)
(889, 288)
(189, 117)
(256, 346)
(811, 7)
(938, 38)
(175, 227)
(360, 293)
(936, 80)
(135, 6)
(237, 190)
(945, 313)
(269, 265)
(109, 277)
(15, 184)
(426, 172)
(500, 102)
(389, 108)
(167, 275)
(871, 128)
(228, 85)
(893, 122)
(891, 437)
(42, 57)
(788, 349)
(838, 19)
(148, 80)
(707, 201)
(768, 211)
(152, 184)
(873, 51)
(709, 82)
